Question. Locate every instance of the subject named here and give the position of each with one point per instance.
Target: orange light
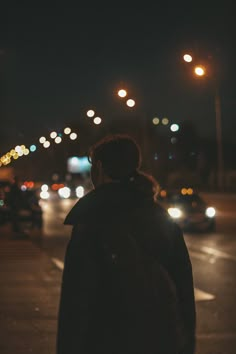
(163, 193)
(184, 191)
(199, 70)
(190, 191)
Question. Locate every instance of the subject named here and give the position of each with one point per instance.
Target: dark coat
(86, 314)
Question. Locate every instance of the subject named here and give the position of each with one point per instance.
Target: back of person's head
(119, 155)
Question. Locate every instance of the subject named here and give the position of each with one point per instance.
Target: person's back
(91, 319)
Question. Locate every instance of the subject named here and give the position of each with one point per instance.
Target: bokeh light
(33, 148)
(122, 93)
(97, 120)
(44, 187)
(156, 121)
(26, 152)
(130, 103)
(46, 144)
(53, 135)
(67, 131)
(73, 136)
(165, 121)
(17, 148)
(199, 70)
(174, 127)
(90, 113)
(79, 191)
(188, 58)
(41, 140)
(58, 140)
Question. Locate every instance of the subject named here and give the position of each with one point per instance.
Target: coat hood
(106, 201)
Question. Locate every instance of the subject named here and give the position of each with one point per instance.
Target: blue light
(33, 148)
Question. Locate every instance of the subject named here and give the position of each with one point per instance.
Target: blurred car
(4, 207)
(189, 210)
(28, 209)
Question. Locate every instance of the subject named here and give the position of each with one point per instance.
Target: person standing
(91, 319)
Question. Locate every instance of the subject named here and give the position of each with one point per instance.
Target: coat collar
(108, 200)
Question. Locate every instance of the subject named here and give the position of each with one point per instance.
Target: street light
(122, 93)
(188, 58)
(130, 103)
(201, 71)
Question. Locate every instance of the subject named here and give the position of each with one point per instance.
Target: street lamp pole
(200, 71)
(220, 163)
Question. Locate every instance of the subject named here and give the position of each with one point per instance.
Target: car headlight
(64, 192)
(175, 213)
(210, 212)
(44, 195)
(79, 192)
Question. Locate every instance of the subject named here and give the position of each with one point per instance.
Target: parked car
(189, 210)
(26, 210)
(4, 207)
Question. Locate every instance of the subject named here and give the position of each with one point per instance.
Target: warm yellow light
(15, 157)
(156, 121)
(122, 93)
(190, 191)
(165, 121)
(163, 193)
(41, 140)
(67, 130)
(73, 136)
(90, 113)
(12, 152)
(199, 70)
(22, 147)
(97, 120)
(58, 140)
(188, 58)
(53, 135)
(26, 152)
(130, 103)
(184, 191)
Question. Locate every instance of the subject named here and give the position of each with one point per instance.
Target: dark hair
(147, 185)
(119, 154)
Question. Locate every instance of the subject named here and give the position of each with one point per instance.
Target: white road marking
(202, 295)
(217, 253)
(59, 264)
(199, 294)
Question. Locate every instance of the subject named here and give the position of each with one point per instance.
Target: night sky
(58, 61)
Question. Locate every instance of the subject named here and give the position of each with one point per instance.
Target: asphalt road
(213, 259)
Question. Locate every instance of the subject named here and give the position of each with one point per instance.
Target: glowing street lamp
(97, 120)
(199, 70)
(90, 113)
(53, 135)
(122, 93)
(73, 136)
(188, 58)
(156, 121)
(67, 131)
(130, 103)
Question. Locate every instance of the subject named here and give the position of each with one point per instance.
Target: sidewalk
(29, 297)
